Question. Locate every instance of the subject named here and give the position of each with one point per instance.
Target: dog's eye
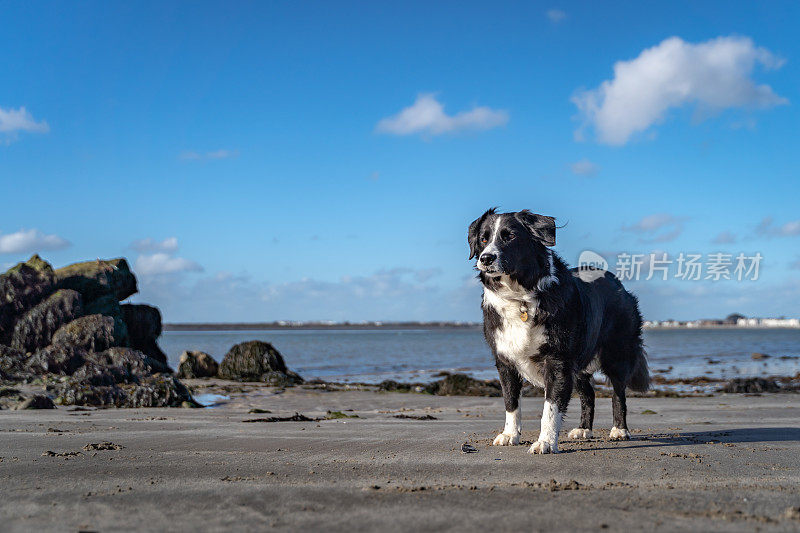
(484, 240)
(506, 235)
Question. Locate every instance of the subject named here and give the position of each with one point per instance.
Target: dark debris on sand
(297, 417)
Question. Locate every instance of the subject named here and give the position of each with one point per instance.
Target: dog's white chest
(517, 340)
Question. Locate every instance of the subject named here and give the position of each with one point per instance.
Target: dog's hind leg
(586, 393)
(511, 383)
(620, 429)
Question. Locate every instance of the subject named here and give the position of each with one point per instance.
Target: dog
(553, 326)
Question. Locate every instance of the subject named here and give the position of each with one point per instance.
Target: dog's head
(513, 244)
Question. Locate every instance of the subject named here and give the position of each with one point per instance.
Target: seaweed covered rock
(94, 279)
(144, 328)
(197, 365)
(750, 385)
(67, 329)
(133, 361)
(36, 327)
(22, 287)
(464, 385)
(159, 390)
(56, 359)
(12, 364)
(93, 333)
(257, 361)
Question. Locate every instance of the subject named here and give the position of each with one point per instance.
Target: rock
(94, 279)
(756, 356)
(56, 359)
(94, 333)
(197, 365)
(160, 390)
(257, 361)
(750, 385)
(792, 513)
(144, 328)
(36, 327)
(38, 401)
(22, 287)
(464, 385)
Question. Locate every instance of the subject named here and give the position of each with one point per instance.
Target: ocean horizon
(420, 354)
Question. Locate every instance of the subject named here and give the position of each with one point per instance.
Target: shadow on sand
(732, 436)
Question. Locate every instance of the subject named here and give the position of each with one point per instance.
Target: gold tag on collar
(523, 316)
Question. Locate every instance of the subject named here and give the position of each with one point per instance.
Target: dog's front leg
(557, 391)
(511, 383)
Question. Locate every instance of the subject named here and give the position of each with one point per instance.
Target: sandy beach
(726, 462)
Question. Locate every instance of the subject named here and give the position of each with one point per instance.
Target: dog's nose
(488, 259)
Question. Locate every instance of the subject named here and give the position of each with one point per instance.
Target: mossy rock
(36, 327)
(93, 333)
(257, 361)
(94, 279)
(22, 287)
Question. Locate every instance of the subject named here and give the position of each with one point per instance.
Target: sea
(419, 355)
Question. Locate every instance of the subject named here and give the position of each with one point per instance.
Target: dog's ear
(474, 229)
(542, 227)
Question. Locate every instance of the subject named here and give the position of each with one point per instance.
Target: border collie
(553, 326)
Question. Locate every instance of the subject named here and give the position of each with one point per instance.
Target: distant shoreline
(272, 326)
(267, 326)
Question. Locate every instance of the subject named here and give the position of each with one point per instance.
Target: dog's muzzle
(488, 263)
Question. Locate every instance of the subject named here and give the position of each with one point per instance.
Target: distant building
(768, 322)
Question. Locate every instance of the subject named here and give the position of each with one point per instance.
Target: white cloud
(584, 167)
(215, 154)
(660, 227)
(162, 263)
(427, 116)
(13, 121)
(388, 294)
(29, 241)
(170, 244)
(714, 75)
(789, 229)
(555, 15)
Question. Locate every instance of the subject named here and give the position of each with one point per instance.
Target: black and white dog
(553, 326)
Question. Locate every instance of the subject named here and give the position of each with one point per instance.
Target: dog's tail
(640, 378)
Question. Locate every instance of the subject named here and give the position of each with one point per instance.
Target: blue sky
(264, 161)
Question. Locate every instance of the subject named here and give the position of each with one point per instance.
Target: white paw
(580, 433)
(504, 439)
(543, 447)
(619, 434)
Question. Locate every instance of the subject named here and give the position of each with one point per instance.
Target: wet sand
(721, 463)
